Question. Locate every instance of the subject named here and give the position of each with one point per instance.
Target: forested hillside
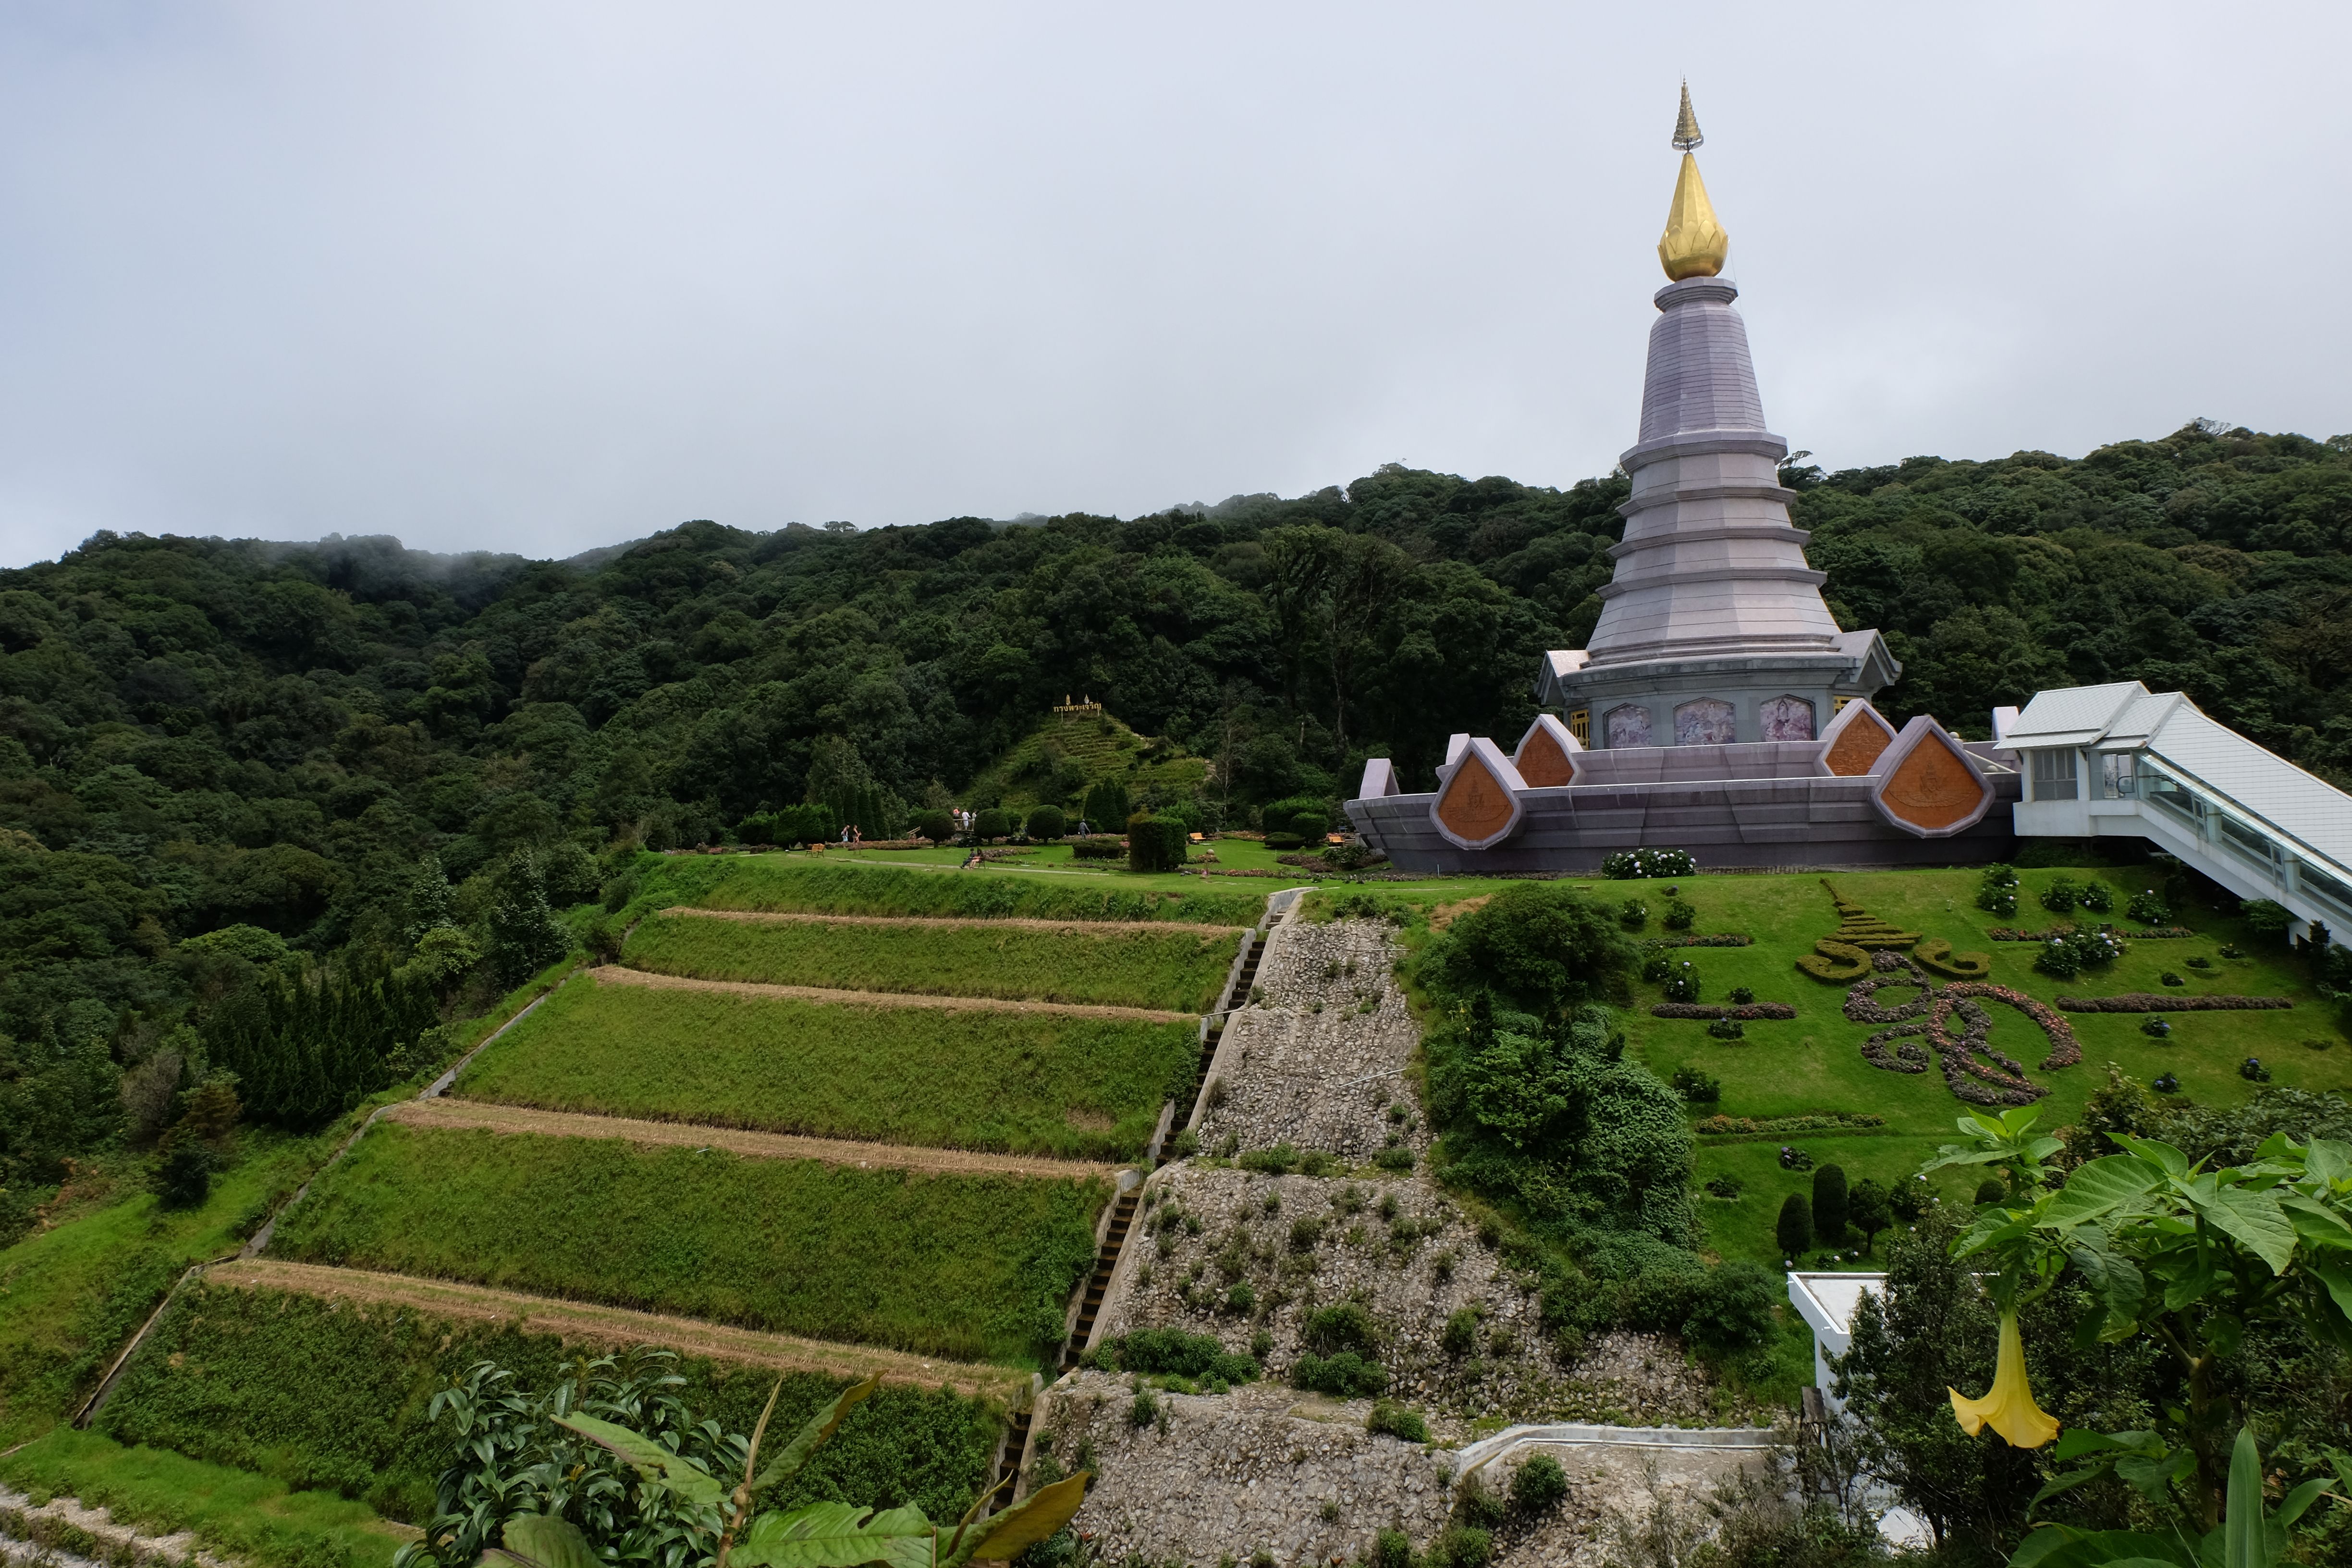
(269, 742)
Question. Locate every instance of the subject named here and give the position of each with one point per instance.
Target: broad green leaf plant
(2189, 1254)
(815, 1536)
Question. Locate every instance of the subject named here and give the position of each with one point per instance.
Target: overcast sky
(543, 277)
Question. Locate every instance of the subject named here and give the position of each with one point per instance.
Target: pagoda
(1717, 706)
(1712, 628)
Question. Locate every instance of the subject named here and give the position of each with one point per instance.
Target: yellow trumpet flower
(2008, 1407)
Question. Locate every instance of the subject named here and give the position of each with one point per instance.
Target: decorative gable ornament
(1855, 740)
(1548, 754)
(1379, 780)
(1478, 801)
(1927, 783)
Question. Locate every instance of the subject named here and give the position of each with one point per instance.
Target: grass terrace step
(798, 882)
(972, 1267)
(321, 1377)
(1124, 965)
(1019, 1083)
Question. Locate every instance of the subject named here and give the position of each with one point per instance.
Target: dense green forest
(244, 785)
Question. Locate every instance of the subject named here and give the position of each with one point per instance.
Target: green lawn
(975, 1268)
(1814, 1063)
(1128, 966)
(1023, 1083)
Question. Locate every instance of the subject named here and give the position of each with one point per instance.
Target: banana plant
(2188, 1254)
(816, 1535)
(2248, 1537)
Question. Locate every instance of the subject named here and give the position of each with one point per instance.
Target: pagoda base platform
(1695, 798)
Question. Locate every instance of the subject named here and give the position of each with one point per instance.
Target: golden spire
(1686, 136)
(1694, 244)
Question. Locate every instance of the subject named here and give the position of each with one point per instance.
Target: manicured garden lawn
(1018, 1082)
(1128, 964)
(1813, 1063)
(971, 1267)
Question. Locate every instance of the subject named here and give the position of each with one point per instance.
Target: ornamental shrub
(1046, 823)
(1097, 850)
(1727, 1030)
(1742, 996)
(1629, 865)
(1680, 915)
(1794, 1159)
(1830, 1205)
(2071, 952)
(2147, 907)
(2166, 1083)
(2060, 896)
(1657, 967)
(939, 827)
(2265, 918)
(993, 822)
(2097, 896)
(2155, 1027)
(1632, 914)
(1997, 890)
(1683, 983)
(1154, 843)
(2252, 1070)
(1794, 1229)
(1697, 1087)
(1992, 1189)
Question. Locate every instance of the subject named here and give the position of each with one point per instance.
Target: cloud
(540, 277)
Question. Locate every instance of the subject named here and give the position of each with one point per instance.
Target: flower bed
(1721, 939)
(2163, 934)
(1973, 1069)
(1630, 865)
(1748, 1011)
(1814, 1122)
(2156, 1002)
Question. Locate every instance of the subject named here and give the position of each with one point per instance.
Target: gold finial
(1694, 244)
(1686, 136)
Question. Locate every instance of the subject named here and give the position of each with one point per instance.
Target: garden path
(614, 974)
(1065, 928)
(463, 1113)
(615, 1326)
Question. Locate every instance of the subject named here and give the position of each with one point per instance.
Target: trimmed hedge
(1155, 843)
(2156, 1002)
(332, 1397)
(1721, 939)
(1749, 1010)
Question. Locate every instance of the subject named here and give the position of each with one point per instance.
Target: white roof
(1837, 1296)
(2073, 715)
(2259, 783)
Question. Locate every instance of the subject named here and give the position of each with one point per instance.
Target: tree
(524, 935)
(1869, 1210)
(1107, 806)
(1830, 1205)
(1536, 946)
(939, 827)
(1048, 823)
(1794, 1229)
(992, 824)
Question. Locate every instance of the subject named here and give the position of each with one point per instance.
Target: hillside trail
(615, 975)
(481, 1114)
(1059, 928)
(616, 1326)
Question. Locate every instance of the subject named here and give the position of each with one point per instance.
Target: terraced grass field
(1124, 965)
(1022, 1083)
(975, 1268)
(835, 885)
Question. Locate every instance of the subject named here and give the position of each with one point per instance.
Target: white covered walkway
(2109, 760)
